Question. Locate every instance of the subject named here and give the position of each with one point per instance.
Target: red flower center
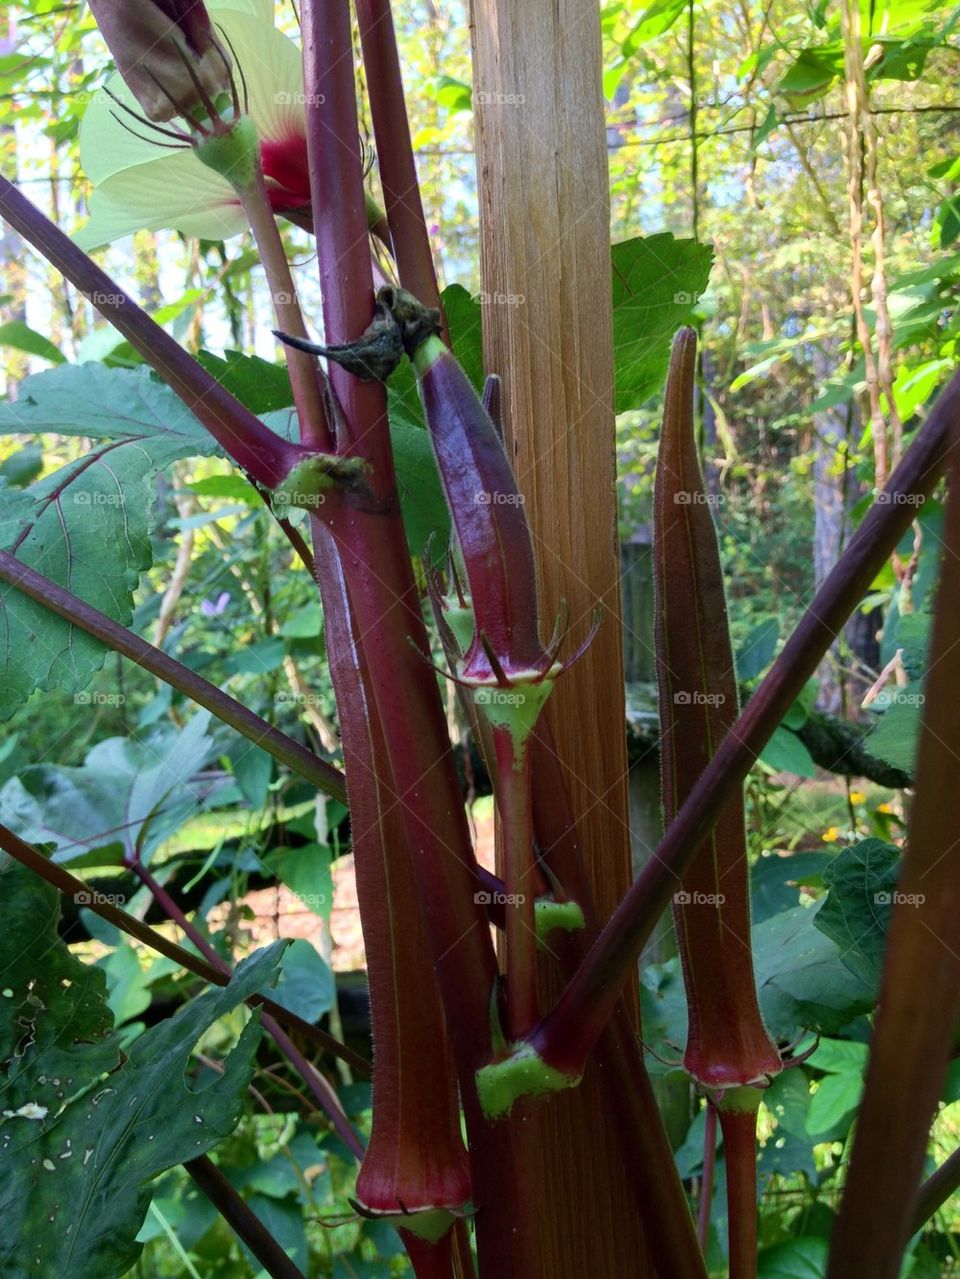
(285, 168)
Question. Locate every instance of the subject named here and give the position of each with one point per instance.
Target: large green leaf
(897, 734)
(656, 283)
(856, 912)
(795, 1259)
(422, 503)
(256, 383)
(87, 525)
(81, 1135)
(102, 403)
(127, 796)
(801, 978)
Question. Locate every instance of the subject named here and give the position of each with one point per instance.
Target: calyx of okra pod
(429, 1224)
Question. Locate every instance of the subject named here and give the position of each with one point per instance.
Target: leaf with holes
(87, 525)
(80, 1145)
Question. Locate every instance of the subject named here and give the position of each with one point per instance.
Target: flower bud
(167, 52)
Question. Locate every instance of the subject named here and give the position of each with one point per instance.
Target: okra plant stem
(398, 172)
(516, 820)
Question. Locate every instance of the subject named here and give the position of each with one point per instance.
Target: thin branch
(114, 636)
(73, 887)
(935, 1191)
(242, 1219)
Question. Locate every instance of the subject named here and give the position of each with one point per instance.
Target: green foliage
(862, 882)
(106, 1129)
(657, 282)
(86, 526)
(125, 800)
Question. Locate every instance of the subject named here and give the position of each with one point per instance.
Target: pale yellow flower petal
(176, 191)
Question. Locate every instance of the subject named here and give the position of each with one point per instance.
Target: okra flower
(142, 184)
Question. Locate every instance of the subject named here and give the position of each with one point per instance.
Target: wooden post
(545, 264)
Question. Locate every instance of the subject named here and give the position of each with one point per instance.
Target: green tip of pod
(549, 914)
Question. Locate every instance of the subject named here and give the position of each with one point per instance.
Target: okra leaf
(801, 978)
(86, 526)
(422, 503)
(896, 736)
(260, 386)
(656, 283)
(306, 985)
(795, 1259)
(856, 912)
(82, 1136)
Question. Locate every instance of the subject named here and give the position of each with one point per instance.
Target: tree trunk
(545, 265)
